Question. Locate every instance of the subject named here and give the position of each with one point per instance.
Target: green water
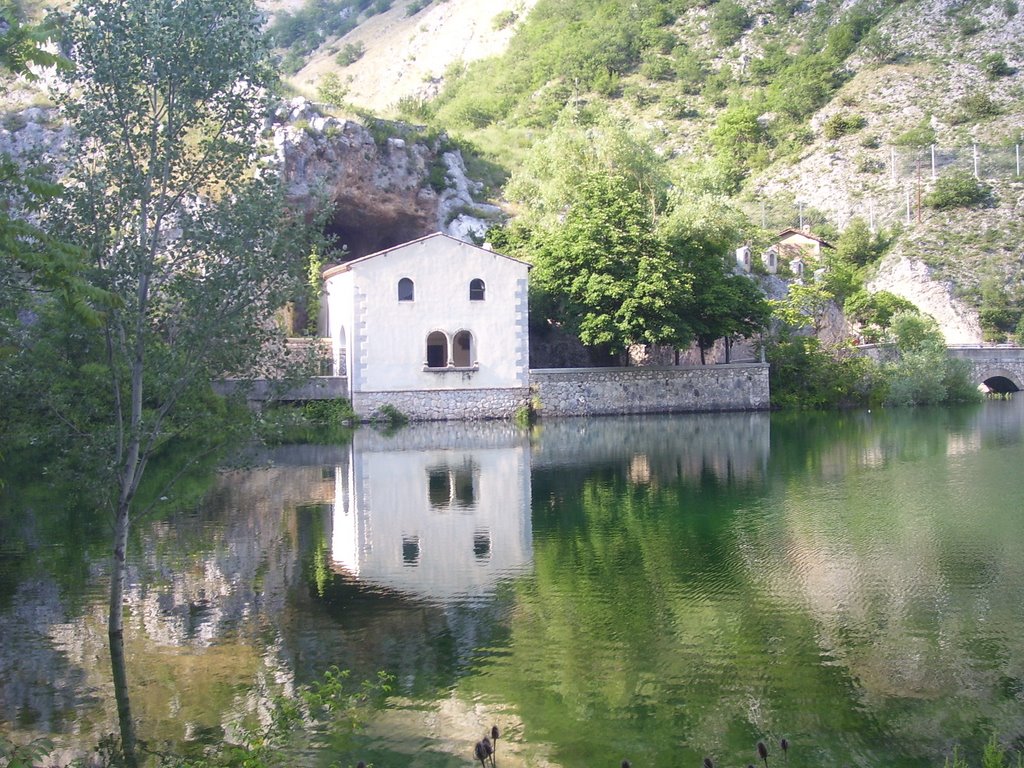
(659, 589)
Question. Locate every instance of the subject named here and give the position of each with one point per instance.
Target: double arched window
(463, 350)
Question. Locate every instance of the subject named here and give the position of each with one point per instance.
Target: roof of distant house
(794, 231)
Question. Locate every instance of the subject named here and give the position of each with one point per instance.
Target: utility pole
(919, 187)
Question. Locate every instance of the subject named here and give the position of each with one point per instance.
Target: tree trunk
(728, 348)
(115, 635)
(701, 354)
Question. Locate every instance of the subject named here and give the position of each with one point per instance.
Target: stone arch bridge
(998, 367)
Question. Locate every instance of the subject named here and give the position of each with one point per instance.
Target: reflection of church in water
(442, 513)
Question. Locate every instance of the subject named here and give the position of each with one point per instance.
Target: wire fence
(899, 179)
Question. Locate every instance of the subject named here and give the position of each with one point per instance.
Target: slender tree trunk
(701, 354)
(115, 635)
(728, 348)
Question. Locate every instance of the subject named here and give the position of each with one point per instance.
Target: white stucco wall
(386, 338)
(392, 528)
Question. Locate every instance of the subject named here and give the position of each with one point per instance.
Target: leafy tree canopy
(613, 281)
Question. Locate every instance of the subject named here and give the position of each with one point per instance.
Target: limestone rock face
(912, 279)
(376, 187)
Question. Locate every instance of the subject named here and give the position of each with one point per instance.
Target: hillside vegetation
(812, 114)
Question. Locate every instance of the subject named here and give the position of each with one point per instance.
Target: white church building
(434, 327)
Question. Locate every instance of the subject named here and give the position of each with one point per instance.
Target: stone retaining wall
(593, 391)
(445, 404)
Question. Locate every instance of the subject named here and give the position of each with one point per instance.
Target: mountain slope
(809, 114)
(407, 54)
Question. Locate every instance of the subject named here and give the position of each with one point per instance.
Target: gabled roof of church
(337, 270)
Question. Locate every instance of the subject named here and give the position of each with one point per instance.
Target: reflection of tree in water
(864, 601)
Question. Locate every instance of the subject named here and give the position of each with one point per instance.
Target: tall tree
(700, 230)
(166, 100)
(613, 280)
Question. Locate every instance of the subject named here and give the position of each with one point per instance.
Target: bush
(969, 25)
(504, 20)
(841, 124)
(958, 190)
(921, 135)
(975, 106)
(994, 66)
(350, 53)
(804, 375)
(728, 22)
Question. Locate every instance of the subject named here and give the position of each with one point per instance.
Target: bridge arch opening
(999, 385)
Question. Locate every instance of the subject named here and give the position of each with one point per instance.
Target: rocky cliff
(378, 185)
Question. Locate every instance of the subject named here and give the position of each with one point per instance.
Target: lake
(658, 589)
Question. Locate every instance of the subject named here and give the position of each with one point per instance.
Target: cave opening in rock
(363, 230)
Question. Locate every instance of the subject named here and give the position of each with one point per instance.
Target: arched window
(462, 349)
(437, 350)
(476, 290)
(405, 289)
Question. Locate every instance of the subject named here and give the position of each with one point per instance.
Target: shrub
(870, 165)
(921, 135)
(413, 8)
(958, 190)
(504, 20)
(330, 90)
(975, 106)
(841, 124)
(969, 25)
(350, 53)
(728, 22)
(994, 66)
(657, 68)
(329, 412)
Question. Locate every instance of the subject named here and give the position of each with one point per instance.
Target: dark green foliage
(805, 85)
(969, 25)
(729, 20)
(924, 373)
(994, 66)
(738, 140)
(690, 70)
(843, 37)
(350, 53)
(859, 245)
(1000, 312)
(587, 46)
(841, 124)
(805, 375)
(921, 135)
(874, 311)
(975, 106)
(415, 7)
(329, 412)
(305, 29)
(958, 190)
(504, 19)
(609, 278)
